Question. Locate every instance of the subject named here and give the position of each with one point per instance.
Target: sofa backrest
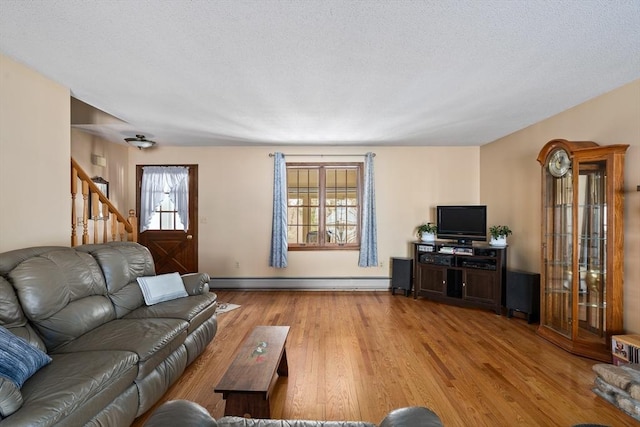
(122, 263)
(11, 314)
(61, 292)
(12, 317)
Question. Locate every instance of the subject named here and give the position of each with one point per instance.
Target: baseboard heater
(303, 283)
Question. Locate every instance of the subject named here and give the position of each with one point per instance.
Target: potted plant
(427, 232)
(499, 235)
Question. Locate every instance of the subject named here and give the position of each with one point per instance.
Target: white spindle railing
(104, 215)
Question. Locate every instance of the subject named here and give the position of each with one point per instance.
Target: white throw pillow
(163, 287)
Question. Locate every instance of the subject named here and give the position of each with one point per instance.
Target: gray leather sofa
(189, 414)
(112, 356)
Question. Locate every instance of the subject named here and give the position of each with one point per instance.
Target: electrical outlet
(381, 264)
(237, 264)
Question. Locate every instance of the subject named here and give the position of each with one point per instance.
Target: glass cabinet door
(557, 292)
(585, 230)
(591, 245)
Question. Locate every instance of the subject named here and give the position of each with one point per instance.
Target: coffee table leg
(249, 405)
(283, 367)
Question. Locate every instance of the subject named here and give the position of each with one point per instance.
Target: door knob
(189, 237)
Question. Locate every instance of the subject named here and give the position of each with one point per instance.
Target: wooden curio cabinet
(582, 246)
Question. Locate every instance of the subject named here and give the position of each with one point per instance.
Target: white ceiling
(343, 72)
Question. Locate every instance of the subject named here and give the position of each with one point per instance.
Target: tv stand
(465, 275)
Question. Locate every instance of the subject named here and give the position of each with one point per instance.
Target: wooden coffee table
(248, 381)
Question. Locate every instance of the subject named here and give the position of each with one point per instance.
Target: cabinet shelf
(564, 291)
(600, 306)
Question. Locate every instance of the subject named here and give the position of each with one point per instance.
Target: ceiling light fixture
(140, 141)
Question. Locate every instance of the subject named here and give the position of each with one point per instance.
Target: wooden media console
(470, 276)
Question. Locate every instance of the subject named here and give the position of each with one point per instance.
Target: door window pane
(165, 217)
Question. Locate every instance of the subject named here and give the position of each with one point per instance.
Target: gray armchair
(189, 414)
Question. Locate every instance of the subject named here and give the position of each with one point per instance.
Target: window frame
(322, 244)
(161, 212)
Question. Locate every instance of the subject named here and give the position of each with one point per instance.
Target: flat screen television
(464, 223)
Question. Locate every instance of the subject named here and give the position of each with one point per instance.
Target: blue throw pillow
(19, 359)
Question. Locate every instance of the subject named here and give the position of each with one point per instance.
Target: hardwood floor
(358, 355)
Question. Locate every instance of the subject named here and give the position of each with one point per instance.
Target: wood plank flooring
(358, 355)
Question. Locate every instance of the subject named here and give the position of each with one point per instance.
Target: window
(165, 216)
(324, 205)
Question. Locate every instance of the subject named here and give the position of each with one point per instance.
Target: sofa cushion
(200, 338)
(163, 287)
(195, 310)
(19, 360)
(10, 311)
(120, 412)
(153, 386)
(27, 333)
(73, 384)
(151, 339)
(10, 398)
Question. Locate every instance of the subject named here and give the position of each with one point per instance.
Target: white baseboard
(303, 283)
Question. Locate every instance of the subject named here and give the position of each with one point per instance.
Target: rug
(224, 307)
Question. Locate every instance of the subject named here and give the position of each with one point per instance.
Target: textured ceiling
(257, 72)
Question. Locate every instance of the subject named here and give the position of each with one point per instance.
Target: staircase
(105, 223)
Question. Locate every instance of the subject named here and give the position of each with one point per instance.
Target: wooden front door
(173, 250)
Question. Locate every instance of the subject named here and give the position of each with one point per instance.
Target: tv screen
(462, 223)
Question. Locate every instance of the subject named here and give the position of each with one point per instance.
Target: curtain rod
(322, 155)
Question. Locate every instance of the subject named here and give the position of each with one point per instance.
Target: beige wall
(235, 191)
(510, 180)
(84, 144)
(116, 171)
(34, 159)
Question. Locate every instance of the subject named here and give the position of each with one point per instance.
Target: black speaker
(401, 274)
(523, 294)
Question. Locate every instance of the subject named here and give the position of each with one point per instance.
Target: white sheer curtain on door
(156, 182)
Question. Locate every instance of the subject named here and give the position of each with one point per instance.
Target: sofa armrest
(414, 416)
(196, 283)
(180, 413)
(10, 398)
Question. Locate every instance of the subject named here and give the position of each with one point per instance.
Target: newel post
(133, 221)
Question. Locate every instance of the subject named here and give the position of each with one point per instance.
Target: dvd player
(437, 259)
(479, 264)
